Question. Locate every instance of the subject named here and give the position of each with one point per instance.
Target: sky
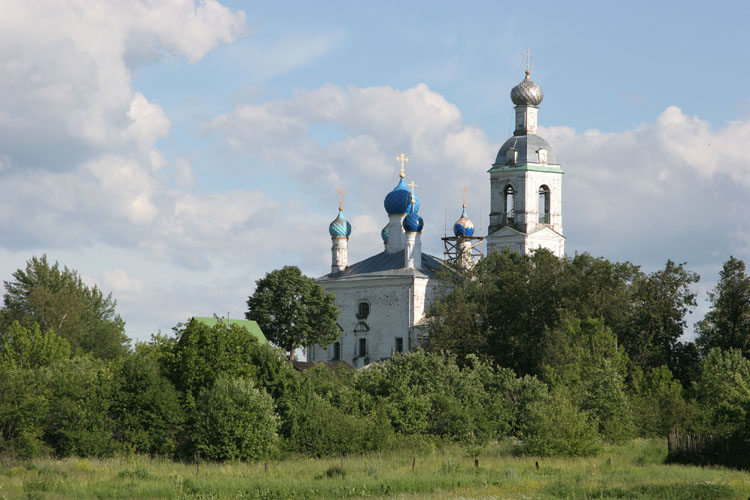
(173, 152)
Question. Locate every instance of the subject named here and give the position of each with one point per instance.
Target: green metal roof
(250, 326)
(536, 167)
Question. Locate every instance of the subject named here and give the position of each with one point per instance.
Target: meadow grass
(631, 471)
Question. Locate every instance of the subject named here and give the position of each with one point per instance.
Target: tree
(146, 407)
(584, 359)
(502, 308)
(200, 354)
(57, 298)
(727, 323)
(723, 391)
(658, 404)
(293, 310)
(30, 348)
(661, 300)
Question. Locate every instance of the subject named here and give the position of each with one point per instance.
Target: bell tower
(526, 183)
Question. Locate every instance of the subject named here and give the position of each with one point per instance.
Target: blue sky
(174, 152)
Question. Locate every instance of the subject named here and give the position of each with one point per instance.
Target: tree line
(562, 354)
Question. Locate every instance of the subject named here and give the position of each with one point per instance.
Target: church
(383, 299)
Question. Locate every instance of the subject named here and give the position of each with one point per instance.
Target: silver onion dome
(526, 93)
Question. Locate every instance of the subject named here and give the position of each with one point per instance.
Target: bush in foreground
(236, 421)
(558, 428)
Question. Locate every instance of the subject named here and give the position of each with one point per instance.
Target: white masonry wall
(396, 305)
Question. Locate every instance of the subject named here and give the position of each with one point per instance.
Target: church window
(511, 155)
(542, 155)
(361, 327)
(520, 118)
(544, 205)
(510, 211)
(363, 309)
(336, 352)
(362, 347)
(399, 344)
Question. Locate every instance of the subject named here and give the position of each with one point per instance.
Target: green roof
(250, 326)
(536, 167)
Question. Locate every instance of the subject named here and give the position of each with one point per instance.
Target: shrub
(559, 428)
(235, 421)
(23, 407)
(78, 420)
(657, 402)
(317, 428)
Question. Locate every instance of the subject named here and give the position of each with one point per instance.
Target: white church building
(383, 299)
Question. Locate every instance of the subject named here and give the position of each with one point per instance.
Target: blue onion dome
(340, 227)
(413, 223)
(397, 201)
(384, 234)
(463, 226)
(526, 93)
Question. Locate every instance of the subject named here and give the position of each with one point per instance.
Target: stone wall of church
(394, 305)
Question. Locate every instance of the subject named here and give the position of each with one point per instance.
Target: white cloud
(184, 176)
(376, 124)
(149, 122)
(67, 72)
(120, 282)
(669, 189)
(78, 163)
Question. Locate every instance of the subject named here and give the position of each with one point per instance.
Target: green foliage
(30, 347)
(235, 421)
(146, 408)
(586, 361)
(658, 403)
(723, 392)
(727, 323)
(508, 302)
(57, 299)
(429, 393)
(315, 427)
(661, 301)
(517, 395)
(78, 420)
(199, 354)
(24, 403)
(293, 310)
(558, 428)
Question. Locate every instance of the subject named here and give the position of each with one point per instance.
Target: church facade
(383, 299)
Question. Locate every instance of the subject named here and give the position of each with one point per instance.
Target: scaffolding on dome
(462, 251)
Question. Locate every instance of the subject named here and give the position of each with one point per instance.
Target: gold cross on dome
(528, 56)
(412, 185)
(341, 199)
(465, 189)
(402, 159)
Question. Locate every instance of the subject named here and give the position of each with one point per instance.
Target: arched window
(510, 206)
(544, 205)
(363, 309)
(336, 351)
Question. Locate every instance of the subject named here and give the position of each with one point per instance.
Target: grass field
(632, 471)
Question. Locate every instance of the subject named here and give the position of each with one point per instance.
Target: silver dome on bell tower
(527, 93)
